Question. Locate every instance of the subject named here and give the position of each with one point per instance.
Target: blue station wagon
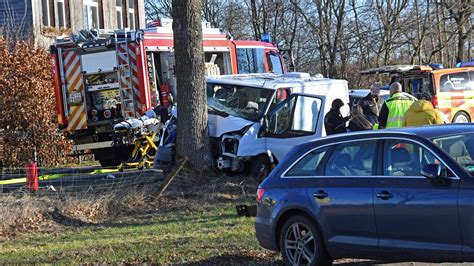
(403, 194)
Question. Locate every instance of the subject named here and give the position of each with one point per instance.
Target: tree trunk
(192, 140)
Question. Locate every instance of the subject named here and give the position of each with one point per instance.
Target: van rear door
(294, 121)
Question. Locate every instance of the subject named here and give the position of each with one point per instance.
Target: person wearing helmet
(334, 122)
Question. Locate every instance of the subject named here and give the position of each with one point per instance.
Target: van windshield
(240, 101)
(460, 148)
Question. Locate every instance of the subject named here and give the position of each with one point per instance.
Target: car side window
(405, 158)
(308, 165)
(352, 159)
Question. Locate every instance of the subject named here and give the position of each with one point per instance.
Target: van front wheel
(461, 117)
(260, 167)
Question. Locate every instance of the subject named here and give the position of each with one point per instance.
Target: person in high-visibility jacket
(394, 109)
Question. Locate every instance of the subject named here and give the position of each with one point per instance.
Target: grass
(209, 234)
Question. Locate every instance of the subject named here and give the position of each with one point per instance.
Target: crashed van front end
(232, 147)
(235, 112)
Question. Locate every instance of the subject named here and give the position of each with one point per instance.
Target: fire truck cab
(102, 78)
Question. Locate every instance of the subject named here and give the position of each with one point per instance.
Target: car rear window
(461, 149)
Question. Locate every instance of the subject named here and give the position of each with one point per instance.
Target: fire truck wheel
(461, 117)
(260, 167)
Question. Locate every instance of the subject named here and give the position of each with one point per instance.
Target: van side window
(296, 116)
(416, 85)
(455, 81)
(281, 95)
(306, 106)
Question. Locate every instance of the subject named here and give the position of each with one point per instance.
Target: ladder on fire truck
(125, 75)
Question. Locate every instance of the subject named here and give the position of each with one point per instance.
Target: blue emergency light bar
(436, 66)
(466, 64)
(266, 37)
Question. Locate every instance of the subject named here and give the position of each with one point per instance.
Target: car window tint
(352, 159)
(308, 165)
(460, 148)
(404, 158)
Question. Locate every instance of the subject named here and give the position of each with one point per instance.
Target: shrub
(27, 113)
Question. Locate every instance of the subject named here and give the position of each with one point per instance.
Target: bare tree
(15, 25)
(155, 9)
(212, 12)
(460, 12)
(339, 37)
(192, 140)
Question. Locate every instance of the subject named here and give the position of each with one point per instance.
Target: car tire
(301, 243)
(260, 167)
(461, 117)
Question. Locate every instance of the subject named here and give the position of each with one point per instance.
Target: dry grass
(193, 222)
(26, 212)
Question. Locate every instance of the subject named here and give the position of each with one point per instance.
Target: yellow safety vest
(397, 106)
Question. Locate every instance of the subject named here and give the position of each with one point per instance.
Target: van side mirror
(431, 171)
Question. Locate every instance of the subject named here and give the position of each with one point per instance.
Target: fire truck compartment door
(99, 62)
(74, 86)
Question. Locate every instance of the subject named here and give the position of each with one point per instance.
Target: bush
(27, 112)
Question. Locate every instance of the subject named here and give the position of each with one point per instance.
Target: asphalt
(354, 262)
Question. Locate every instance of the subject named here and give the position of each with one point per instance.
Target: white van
(252, 114)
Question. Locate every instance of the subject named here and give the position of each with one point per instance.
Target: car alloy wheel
(461, 117)
(300, 244)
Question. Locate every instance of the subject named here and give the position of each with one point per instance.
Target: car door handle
(320, 194)
(385, 195)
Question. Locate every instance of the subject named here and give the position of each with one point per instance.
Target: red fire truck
(102, 78)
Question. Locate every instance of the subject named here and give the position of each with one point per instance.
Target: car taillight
(260, 193)
(434, 101)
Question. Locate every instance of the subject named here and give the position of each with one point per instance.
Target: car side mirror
(431, 171)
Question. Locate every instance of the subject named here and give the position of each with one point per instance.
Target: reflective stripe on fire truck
(72, 66)
(452, 102)
(135, 81)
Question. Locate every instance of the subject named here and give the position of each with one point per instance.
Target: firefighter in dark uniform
(334, 122)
